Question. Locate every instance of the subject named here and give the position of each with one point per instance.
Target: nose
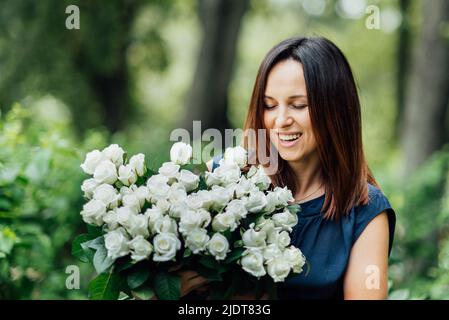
(283, 117)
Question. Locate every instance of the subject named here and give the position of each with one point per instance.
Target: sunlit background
(136, 70)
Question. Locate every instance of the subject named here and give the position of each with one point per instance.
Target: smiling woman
(306, 99)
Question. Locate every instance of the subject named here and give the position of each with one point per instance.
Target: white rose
(158, 187)
(278, 268)
(131, 201)
(126, 175)
(206, 198)
(295, 258)
(170, 170)
(271, 251)
(206, 218)
(228, 173)
(256, 201)
(165, 225)
(284, 196)
(237, 208)
(116, 243)
(220, 196)
(165, 246)
(105, 172)
(110, 218)
(237, 155)
(153, 214)
(177, 209)
(127, 190)
(265, 225)
(252, 171)
(138, 225)
(91, 162)
(218, 246)
(189, 180)
(107, 194)
(223, 222)
(93, 212)
(254, 239)
(261, 179)
(137, 162)
(125, 216)
(190, 220)
(252, 262)
(272, 202)
(194, 201)
(212, 179)
(88, 187)
(177, 194)
(140, 248)
(244, 187)
(285, 219)
(280, 238)
(143, 194)
(196, 240)
(115, 154)
(180, 153)
(163, 204)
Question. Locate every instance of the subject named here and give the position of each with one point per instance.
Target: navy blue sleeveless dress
(327, 245)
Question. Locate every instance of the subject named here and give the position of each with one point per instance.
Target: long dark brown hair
(335, 114)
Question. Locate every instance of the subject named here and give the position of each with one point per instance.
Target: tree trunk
(428, 90)
(208, 97)
(403, 59)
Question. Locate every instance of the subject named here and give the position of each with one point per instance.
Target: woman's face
(286, 113)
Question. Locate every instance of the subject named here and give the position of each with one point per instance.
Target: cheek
(267, 120)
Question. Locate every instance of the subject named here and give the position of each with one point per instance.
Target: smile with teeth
(289, 137)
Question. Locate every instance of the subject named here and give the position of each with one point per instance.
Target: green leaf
(123, 264)
(187, 253)
(234, 255)
(209, 262)
(105, 287)
(101, 260)
(78, 251)
(94, 243)
(202, 184)
(209, 274)
(238, 244)
(94, 231)
(143, 293)
(294, 208)
(138, 277)
(167, 286)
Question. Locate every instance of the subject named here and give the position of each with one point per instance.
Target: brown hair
(335, 114)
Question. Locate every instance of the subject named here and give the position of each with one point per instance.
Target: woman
(306, 98)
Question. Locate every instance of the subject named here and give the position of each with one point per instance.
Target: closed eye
(299, 106)
(267, 106)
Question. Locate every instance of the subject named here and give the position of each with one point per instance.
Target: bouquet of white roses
(230, 225)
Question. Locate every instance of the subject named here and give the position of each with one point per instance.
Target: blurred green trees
(137, 69)
(39, 204)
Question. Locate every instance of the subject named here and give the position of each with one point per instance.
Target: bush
(40, 200)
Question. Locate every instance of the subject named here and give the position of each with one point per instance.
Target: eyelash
(299, 107)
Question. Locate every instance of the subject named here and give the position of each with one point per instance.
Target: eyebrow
(291, 97)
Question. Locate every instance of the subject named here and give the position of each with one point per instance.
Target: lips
(289, 139)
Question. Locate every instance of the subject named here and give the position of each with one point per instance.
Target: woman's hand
(191, 281)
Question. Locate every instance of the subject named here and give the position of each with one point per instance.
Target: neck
(308, 175)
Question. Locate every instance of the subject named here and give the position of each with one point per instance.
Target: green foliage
(420, 259)
(167, 286)
(105, 286)
(40, 200)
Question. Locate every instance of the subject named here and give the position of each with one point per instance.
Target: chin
(290, 156)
